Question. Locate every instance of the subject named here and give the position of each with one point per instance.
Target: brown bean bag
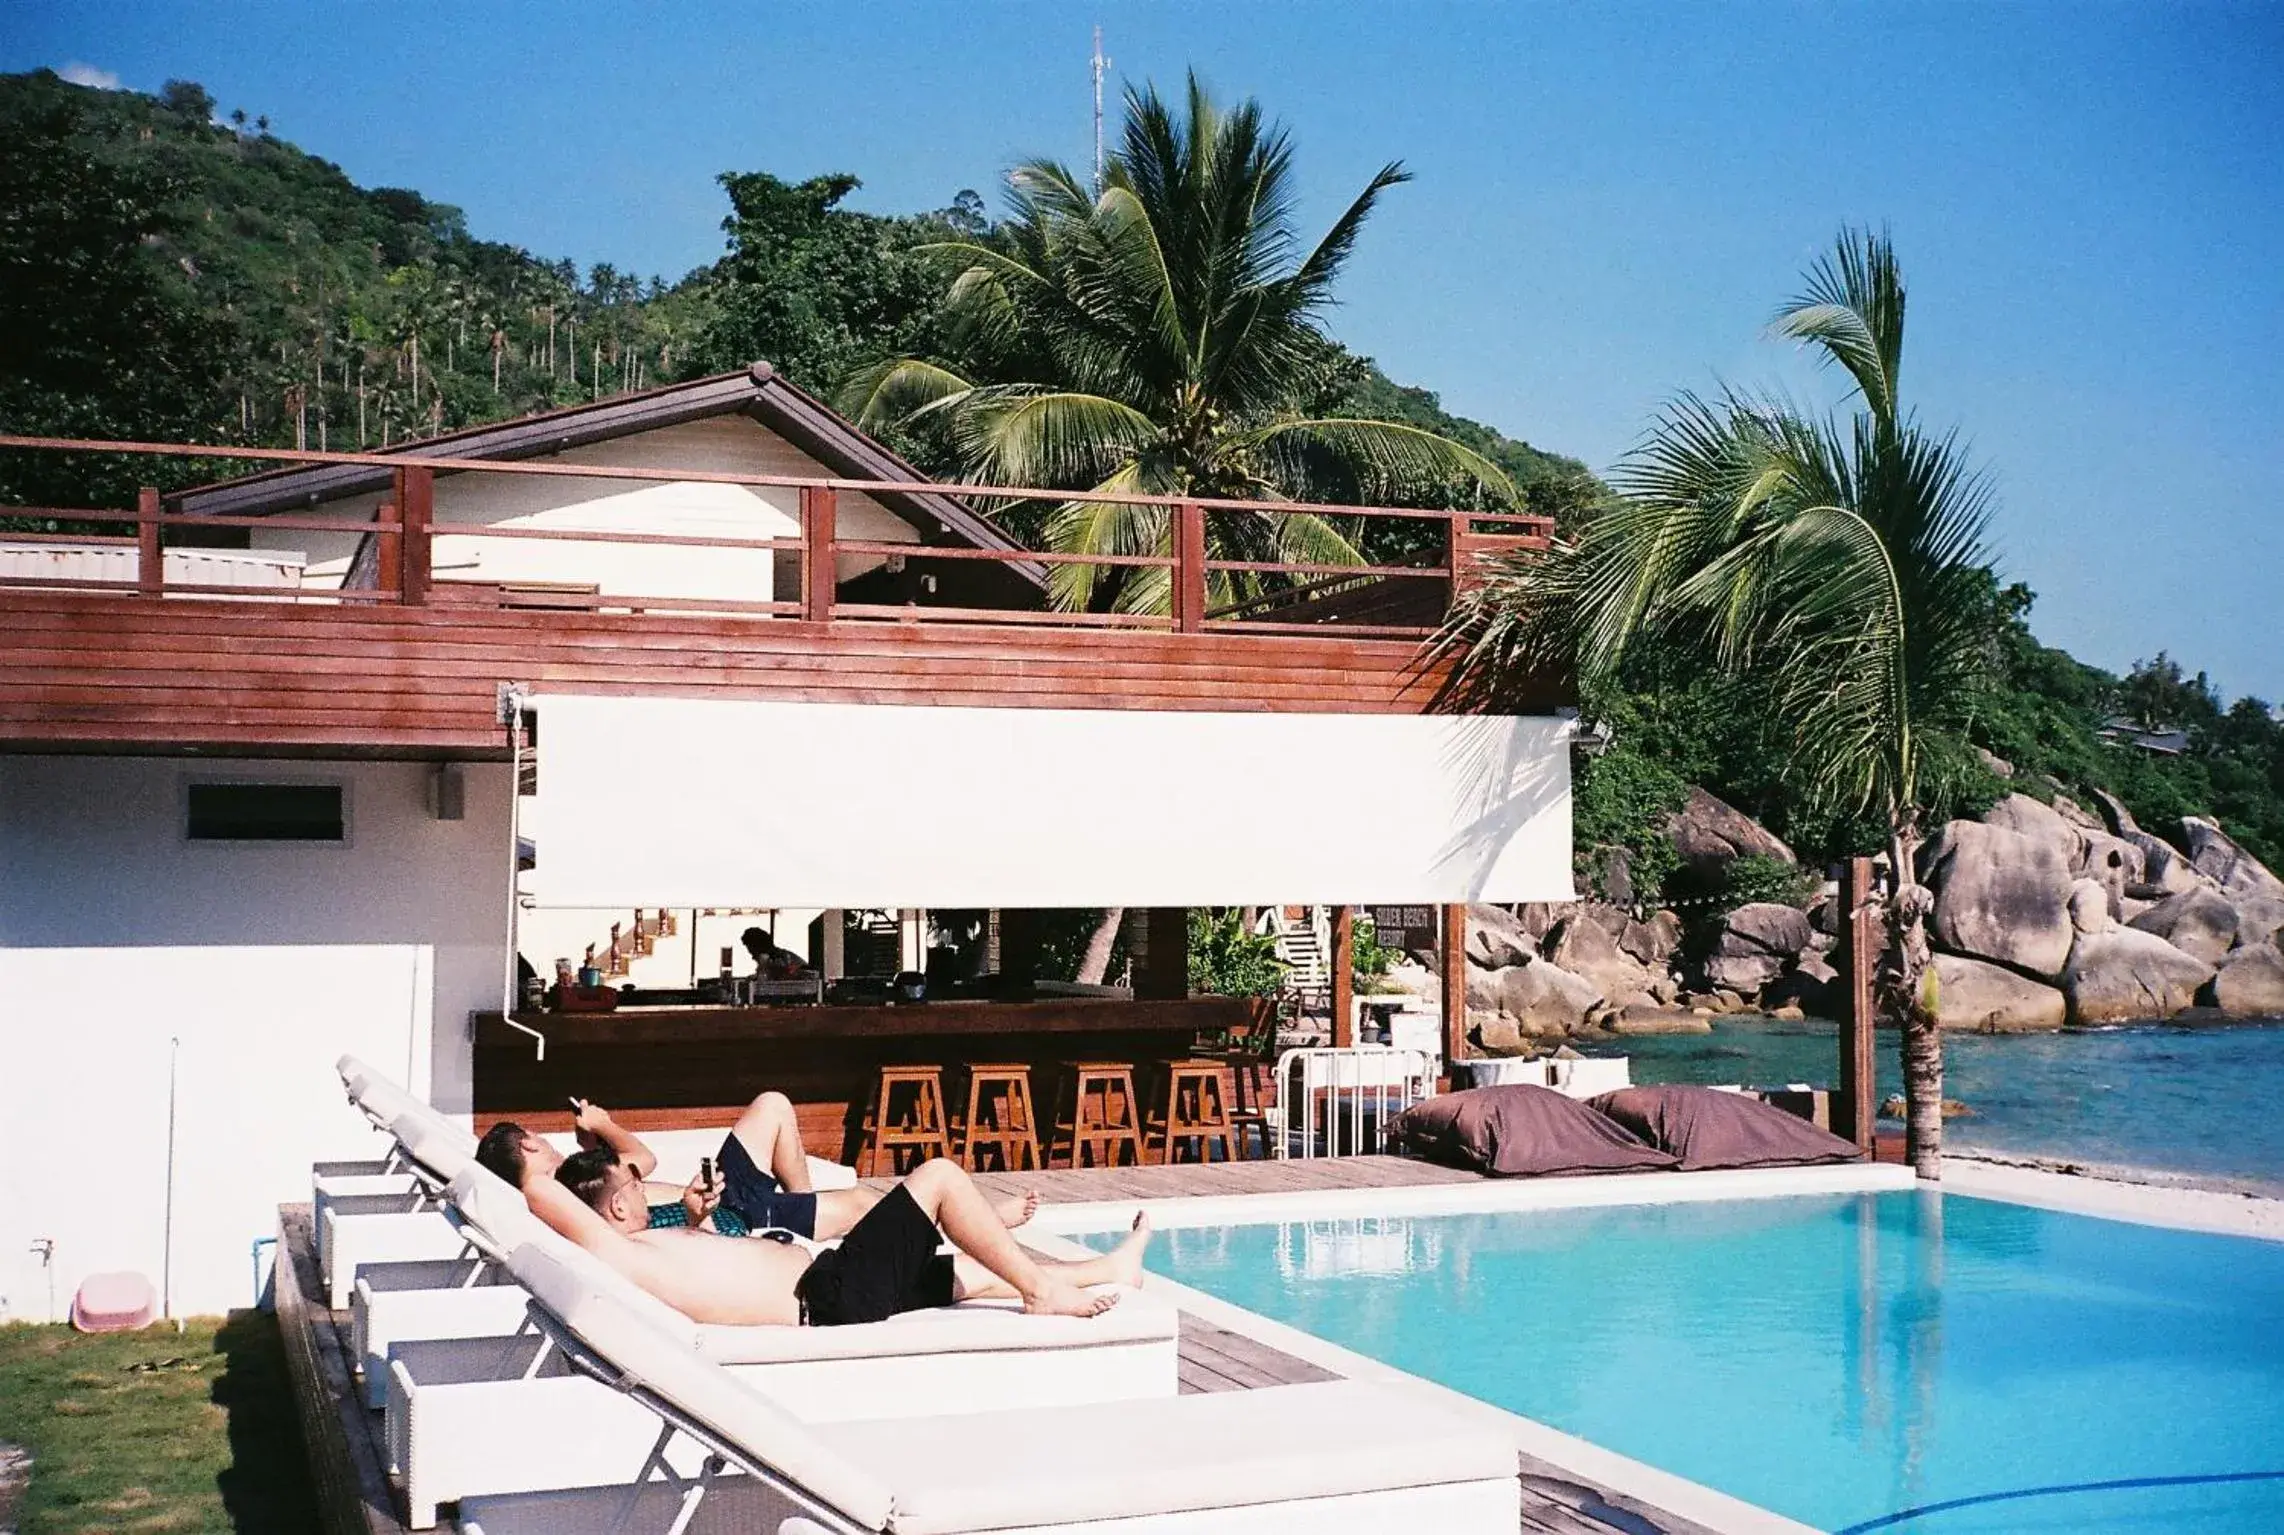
(1708, 1129)
(1519, 1131)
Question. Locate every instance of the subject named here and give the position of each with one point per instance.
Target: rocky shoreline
(2045, 918)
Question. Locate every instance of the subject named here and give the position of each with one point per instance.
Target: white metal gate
(1337, 1103)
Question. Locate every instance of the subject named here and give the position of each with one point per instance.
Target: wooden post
(818, 570)
(150, 552)
(1455, 555)
(1453, 976)
(1162, 965)
(1189, 568)
(1343, 976)
(1859, 951)
(1019, 944)
(388, 570)
(416, 510)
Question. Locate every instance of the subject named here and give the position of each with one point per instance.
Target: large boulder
(2164, 871)
(2217, 857)
(1711, 834)
(1585, 948)
(2200, 923)
(1527, 1002)
(2089, 906)
(1812, 985)
(2126, 976)
(2025, 817)
(1991, 999)
(1652, 940)
(2115, 816)
(2112, 862)
(1496, 938)
(1757, 942)
(2259, 919)
(2251, 983)
(2001, 895)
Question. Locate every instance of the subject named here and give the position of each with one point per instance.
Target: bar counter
(660, 1068)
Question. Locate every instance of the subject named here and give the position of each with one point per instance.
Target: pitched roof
(758, 391)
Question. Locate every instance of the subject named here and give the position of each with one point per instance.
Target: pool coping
(2213, 1212)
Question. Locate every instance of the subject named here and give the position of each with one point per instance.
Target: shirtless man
(761, 1174)
(888, 1264)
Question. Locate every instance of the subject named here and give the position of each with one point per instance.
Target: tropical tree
(1155, 337)
(1835, 563)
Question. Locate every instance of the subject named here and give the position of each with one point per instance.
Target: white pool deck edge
(2176, 1208)
(2212, 1211)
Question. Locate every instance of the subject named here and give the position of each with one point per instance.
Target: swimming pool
(1891, 1362)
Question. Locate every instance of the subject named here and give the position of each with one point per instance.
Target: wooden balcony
(401, 658)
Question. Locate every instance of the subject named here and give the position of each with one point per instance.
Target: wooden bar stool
(922, 1130)
(999, 1119)
(1104, 1126)
(1195, 1114)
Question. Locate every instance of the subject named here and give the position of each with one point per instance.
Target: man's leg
(771, 1134)
(948, 1196)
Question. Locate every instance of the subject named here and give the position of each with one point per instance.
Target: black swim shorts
(888, 1264)
(759, 1200)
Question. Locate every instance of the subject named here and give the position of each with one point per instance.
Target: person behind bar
(770, 962)
(887, 1265)
(761, 1178)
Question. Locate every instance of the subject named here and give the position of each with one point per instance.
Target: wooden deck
(344, 1438)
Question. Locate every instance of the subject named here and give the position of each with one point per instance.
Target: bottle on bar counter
(729, 980)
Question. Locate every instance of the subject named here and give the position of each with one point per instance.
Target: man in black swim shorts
(889, 1264)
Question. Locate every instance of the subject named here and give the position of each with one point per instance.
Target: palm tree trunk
(1095, 963)
(1911, 1000)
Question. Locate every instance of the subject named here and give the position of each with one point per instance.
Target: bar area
(672, 1060)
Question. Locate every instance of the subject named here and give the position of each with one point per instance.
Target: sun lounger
(488, 1413)
(359, 1229)
(723, 1455)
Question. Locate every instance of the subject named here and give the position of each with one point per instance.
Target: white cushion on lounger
(1065, 1466)
(441, 1148)
(969, 1327)
(705, 1391)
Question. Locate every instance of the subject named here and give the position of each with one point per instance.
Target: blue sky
(2088, 198)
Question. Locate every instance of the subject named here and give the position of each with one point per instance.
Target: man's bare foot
(1059, 1297)
(1126, 1257)
(1017, 1210)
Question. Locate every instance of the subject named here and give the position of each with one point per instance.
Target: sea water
(2203, 1101)
(1900, 1361)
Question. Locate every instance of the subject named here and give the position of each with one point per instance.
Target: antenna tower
(1101, 65)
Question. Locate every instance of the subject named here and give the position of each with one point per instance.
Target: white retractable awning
(675, 802)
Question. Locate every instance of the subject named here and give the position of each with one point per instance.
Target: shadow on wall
(1511, 782)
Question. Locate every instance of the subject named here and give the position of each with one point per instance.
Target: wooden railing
(1282, 596)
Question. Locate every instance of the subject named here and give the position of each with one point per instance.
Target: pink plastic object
(114, 1303)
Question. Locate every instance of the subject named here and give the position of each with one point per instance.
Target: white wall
(118, 936)
(733, 444)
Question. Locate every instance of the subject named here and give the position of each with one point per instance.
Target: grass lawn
(156, 1430)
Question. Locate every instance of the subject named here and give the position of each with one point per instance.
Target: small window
(266, 812)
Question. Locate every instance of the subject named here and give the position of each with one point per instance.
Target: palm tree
(1155, 338)
(1837, 563)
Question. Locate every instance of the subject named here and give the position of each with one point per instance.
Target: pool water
(1844, 1360)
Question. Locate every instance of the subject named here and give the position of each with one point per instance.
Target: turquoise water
(2203, 1101)
(1842, 1360)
